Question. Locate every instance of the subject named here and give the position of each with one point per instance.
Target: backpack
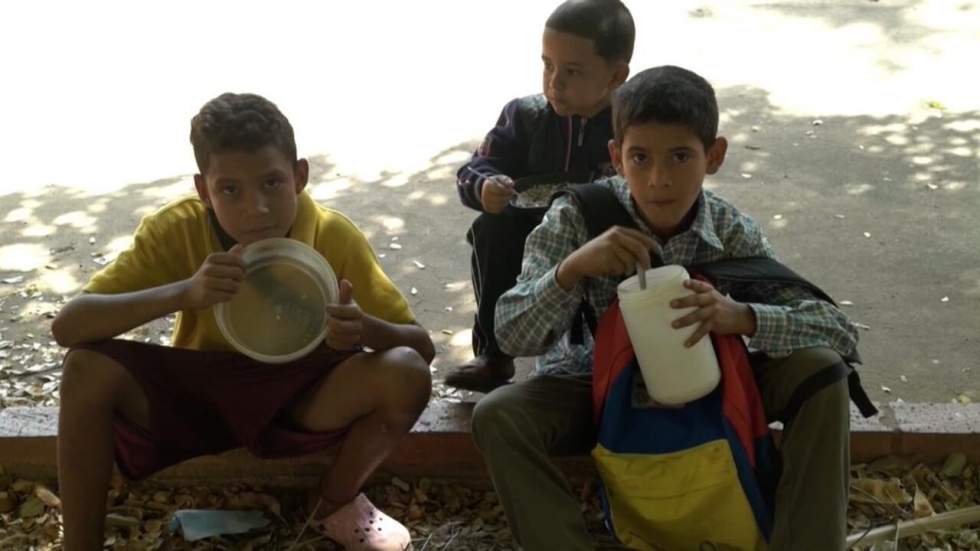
(699, 476)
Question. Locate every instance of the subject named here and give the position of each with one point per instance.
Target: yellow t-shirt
(172, 243)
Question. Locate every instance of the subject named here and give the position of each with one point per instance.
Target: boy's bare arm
(382, 335)
(95, 317)
(349, 326)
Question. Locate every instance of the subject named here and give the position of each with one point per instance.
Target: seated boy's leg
(811, 498)
(517, 428)
(498, 249)
(94, 389)
(378, 396)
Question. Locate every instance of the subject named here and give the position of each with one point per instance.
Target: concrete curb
(440, 446)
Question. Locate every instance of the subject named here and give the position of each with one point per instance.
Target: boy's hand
(496, 192)
(217, 280)
(616, 252)
(715, 312)
(346, 323)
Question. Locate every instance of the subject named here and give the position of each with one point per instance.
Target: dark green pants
(519, 427)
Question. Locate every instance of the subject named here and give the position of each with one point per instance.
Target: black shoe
(482, 374)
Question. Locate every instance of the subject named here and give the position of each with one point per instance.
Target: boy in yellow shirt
(148, 407)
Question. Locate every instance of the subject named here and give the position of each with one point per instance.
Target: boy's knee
(810, 361)
(794, 371)
(834, 399)
(412, 377)
(804, 364)
(491, 417)
(89, 374)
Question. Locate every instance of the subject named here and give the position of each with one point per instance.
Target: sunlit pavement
(855, 130)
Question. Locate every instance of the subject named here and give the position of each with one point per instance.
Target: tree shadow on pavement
(881, 212)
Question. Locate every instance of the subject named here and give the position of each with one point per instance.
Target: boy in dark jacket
(586, 50)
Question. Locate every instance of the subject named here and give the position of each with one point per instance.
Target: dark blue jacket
(531, 139)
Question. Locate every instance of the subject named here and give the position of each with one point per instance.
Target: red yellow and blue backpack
(701, 476)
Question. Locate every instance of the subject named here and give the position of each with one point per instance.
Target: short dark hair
(667, 94)
(240, 122)
(607, 23)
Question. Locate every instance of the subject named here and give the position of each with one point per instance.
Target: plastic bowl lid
(279, 313)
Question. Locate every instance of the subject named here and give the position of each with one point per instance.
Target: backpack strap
(762, 269)
(601, 210)
(750, 270)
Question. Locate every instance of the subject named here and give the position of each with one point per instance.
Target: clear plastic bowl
(279, 313)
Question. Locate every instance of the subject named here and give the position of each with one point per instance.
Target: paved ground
(855, 132)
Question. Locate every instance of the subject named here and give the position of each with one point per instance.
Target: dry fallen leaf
(953, 467)
(872, 490)
(47, 497)
(31, 507)
(22, 486)
(921, 506)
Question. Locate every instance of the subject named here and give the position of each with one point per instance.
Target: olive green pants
(519, 427)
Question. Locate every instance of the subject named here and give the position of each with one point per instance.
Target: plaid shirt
(534, 318)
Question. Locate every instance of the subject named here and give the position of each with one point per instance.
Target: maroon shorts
(208, 402)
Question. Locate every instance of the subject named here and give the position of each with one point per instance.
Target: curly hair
(240, 122)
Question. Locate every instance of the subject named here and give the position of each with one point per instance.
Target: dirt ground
(855, 143)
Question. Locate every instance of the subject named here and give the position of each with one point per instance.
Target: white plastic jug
(673, 374)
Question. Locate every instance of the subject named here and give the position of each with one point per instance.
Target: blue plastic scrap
(196, 524)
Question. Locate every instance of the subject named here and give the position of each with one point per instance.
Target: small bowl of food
(536, 192)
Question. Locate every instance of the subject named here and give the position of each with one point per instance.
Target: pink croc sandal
(360, 526)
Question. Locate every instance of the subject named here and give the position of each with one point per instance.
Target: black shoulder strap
(754, 270)
(762, 269)
(601, 210)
